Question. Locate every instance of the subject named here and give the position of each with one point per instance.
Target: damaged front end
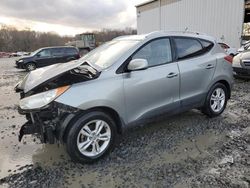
(46, 118)
(47, 124)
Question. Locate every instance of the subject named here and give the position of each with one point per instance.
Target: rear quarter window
(207, 45)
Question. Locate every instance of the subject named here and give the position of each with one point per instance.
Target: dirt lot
(187, 150)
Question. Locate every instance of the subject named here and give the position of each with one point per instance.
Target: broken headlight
(41, 99)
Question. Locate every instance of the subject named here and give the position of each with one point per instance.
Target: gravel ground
(187, 150)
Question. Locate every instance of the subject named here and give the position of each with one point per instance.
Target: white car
(229, 50)
(245, 47)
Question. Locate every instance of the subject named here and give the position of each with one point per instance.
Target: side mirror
(138, 64)
(38, 55)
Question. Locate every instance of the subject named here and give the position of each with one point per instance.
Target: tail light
(229, 59)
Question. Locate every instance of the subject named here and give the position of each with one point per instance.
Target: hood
(24, 57)
(41, 75)
(245, 55)
(241, 57)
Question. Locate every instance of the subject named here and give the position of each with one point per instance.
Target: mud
(187, 150)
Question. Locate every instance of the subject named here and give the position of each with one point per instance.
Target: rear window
(71, 51)
(57, 52)
(188, 47)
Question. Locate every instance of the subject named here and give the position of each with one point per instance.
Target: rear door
(197, 68)
(153, 91)
(58, 55)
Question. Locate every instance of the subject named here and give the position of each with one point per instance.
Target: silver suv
(87, 103)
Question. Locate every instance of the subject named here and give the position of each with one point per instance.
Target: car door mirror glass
(138, 64)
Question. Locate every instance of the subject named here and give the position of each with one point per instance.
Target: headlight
(42, 99)
(20, 61)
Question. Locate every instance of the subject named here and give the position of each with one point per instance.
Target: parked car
(47, 56)
(244, 47)
(22, 53)
(4, 54)
(241, 65)
(229, 50)
(127, 81)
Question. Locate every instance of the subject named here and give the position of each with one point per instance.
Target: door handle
(172, 75)
(210, 66)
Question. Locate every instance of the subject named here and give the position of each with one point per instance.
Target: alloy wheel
(218, 99)
(94, 138)
(31, 67)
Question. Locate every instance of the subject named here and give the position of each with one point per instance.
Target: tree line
(13, 40)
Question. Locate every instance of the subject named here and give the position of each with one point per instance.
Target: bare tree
(12, 40)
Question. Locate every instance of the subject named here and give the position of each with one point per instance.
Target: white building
(222, 19)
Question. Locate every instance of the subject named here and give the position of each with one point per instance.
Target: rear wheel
(90, 137)
(216, 100)
(30, 66)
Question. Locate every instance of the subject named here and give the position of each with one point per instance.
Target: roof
(52, 47)
(156, 34)
(145, 3)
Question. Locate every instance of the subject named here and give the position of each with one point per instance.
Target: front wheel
(30, 67)
(90, 137)
(216, 100)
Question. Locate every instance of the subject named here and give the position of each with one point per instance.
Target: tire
(77, 138)
(213, 108)
(30, 67)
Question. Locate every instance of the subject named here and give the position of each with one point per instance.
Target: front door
(44, 58)
(155, 90)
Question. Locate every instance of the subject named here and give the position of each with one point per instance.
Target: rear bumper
(241, 72)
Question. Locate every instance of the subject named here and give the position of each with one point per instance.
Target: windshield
(35, 52)
(108, 53)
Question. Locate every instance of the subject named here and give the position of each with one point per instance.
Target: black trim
(241, 72)
(123, 67)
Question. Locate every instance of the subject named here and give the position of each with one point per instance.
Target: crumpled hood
(41, 75)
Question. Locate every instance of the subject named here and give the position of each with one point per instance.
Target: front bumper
(18, 65)
(241, 72)
(47, 124)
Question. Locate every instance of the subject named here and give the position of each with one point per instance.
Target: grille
(247, 63)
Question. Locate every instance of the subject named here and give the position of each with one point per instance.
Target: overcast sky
(68, 17)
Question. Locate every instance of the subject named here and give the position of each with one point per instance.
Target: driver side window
(156, 52)
(44, 53)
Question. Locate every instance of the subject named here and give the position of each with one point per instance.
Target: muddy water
(138, 159)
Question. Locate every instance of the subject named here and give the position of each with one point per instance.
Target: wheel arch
(225, 83)
(33, 62)
(70, 119)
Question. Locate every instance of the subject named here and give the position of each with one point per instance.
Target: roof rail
(186, 31)
(182, 32)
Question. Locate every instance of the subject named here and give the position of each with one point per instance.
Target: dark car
(48, 56)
